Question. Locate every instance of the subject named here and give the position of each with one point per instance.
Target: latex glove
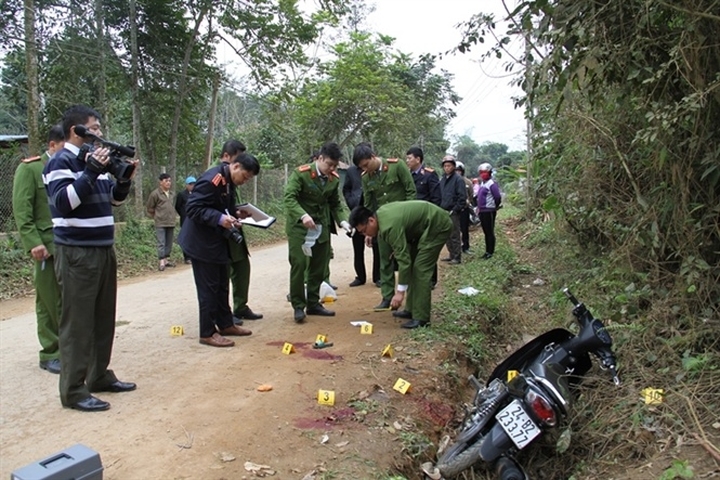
(346, 226)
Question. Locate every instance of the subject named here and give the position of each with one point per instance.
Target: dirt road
(197, 413)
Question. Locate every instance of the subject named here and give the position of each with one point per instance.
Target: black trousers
(487, 222)
(358, 242)
(211, 283)
(465, 228)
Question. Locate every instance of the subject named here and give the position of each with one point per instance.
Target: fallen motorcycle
(527, 394)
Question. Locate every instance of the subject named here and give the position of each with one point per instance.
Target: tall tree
(626, 99)
(370, 92)
(32, 78)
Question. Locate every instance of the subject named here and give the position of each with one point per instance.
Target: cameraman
(81, 196)
(204, 237)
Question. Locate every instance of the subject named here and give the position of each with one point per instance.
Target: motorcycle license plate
(517, 424)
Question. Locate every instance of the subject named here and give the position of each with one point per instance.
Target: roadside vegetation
(135, 246)
(612, 432)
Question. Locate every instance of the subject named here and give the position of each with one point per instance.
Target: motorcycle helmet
(460, 166)
(485, 167)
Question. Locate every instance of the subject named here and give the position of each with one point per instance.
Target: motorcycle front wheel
(459, 457)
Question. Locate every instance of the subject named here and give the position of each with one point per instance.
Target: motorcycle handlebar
(571, 297)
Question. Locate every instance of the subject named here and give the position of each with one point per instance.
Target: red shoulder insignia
(313, 174)
(429, 169)
(29, 160)
(218, 179)
(392, 160)
(304, 168)
(335, 174)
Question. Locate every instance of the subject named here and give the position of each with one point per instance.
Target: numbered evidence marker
(321, 338)
(177, 331)
(326, 397)
(512, 374)
(653, 396)
(387, 351)
(366, 328)
(402, 386)
(288, 348)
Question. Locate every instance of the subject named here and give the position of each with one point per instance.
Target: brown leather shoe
(216, 341)
(235, 331)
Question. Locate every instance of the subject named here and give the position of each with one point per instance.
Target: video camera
(117, 166)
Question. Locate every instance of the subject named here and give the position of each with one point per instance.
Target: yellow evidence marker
(512, 374)
(402, 386)
(653, 396)
(326, 397)
(288, 348)
(366, 329)
(176, 331)
(321, 338)
(387, 351)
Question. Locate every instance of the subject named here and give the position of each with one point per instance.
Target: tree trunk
(182, 91)
(211, 122)
(33, 89)
(102, 106)
(134, 87)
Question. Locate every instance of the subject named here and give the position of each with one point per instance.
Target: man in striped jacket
(81, 195)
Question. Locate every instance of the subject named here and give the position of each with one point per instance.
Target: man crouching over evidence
(204, 237)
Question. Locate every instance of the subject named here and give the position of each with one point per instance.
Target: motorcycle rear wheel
(456, 460)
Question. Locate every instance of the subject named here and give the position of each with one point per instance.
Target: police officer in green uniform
(416, 232)
(383, 182)
(312, 204)
(239, 268)
(34, 223)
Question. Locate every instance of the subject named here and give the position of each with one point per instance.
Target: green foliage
(678, 469)
(370, 92)
(625, 110)
(16, 268)
(464, 321)
(415, 444)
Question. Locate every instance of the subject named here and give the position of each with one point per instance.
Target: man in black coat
(204, 238)
(454, 200)
(181, 202)
(352, 191)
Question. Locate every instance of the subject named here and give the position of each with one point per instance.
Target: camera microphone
(82, 131)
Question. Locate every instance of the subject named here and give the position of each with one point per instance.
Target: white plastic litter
(310, 237)
(327, 294)
(469, 291)
(359, 323)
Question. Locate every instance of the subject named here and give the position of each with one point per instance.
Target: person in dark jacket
(180, 203)
(352, 191)
(454, 200)
(426, 179)
(81, 195)
(205, 236)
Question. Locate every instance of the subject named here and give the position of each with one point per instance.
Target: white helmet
(485, 167)
(460, 165)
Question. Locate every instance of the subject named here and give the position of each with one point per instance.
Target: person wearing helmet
(465, 213)
(181, 201)
(489, 201)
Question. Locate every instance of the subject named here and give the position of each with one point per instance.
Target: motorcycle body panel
(495, 444)
(528, 352)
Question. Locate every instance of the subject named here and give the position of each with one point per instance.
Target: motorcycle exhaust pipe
(508, 469)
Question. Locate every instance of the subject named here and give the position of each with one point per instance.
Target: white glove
(346, 226)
